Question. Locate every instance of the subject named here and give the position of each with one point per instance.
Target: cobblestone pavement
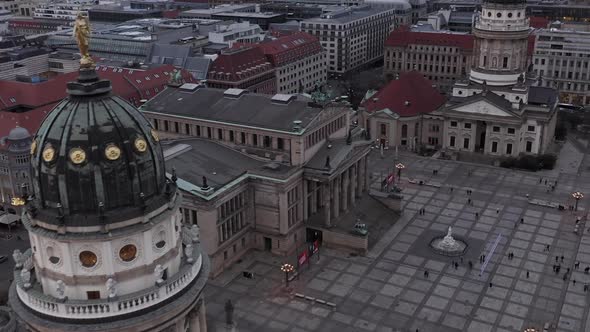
(388, 291)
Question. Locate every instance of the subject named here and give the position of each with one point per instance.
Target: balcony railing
(104, 308)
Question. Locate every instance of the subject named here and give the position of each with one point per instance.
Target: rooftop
(297, 44)
(403, 36)
(410, 95)
(236, 107)
(348, 14)
(201, 157)
(238, 63)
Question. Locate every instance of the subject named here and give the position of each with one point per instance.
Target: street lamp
(287, 268)
(577, 195)
(399, 167)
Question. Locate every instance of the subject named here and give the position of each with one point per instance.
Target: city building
(262, 19)
(62, 11)
(442, 57)
(498, 111)
(451, 20)
(244, 67)
(120, 13)
(35, 64)
(407, 12)
(560, 59)
(15, 166)
(259, 171)
(109, 248)
(30, 26)
(403, 113)
(135, 41)
(231, 33)
(352, 37)
(207, 13)
(299, 61)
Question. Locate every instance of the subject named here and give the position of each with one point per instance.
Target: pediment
(482, 107)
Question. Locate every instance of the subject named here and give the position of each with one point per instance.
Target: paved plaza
(388, 291)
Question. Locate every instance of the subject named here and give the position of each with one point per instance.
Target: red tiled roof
(403, 37)
(238, 61)
(538, 22)
(291, 48)
(410, 95)
(131, 85)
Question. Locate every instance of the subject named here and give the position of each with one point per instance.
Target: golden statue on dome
(82, 35)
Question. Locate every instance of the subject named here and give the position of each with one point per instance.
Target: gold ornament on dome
(33, 147)
(112, 152)
(155, 136)
(77, 156)
(140, 145)
(49, 154)
(128, 253)
(88, 258)
(82, 35)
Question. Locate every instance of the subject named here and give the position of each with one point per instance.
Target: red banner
(316, 246)
(390, 178)
(302, 258)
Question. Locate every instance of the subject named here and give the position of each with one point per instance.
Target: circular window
(489, 14)
(54, 259)
(509, 14)
(460, 92)
(499, 15)
(517, 97)
(128, 253)
(160, 244)
(88, 258)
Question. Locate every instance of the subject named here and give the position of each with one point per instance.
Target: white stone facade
(302, 74)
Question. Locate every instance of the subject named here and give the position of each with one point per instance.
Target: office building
(299, 61)
(352, 37)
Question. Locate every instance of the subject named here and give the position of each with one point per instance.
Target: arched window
(404, 131)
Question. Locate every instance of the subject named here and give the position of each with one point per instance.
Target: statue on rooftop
(82, 35)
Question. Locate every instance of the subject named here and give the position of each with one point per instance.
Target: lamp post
(287, 268)
(577, 195)
(399, 167)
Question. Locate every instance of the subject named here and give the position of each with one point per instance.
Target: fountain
(448, 245)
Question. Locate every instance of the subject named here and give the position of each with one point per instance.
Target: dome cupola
(96, 160)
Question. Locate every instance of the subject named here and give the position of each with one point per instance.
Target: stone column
(194, 321)
(344, 196)
(353, 182)
(366, 174)
(327, 192)
(314, 196)
(305, 198)
(359, 177)
(202, 317)
(336, 197)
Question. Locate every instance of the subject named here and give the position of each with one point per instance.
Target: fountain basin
(442, 246)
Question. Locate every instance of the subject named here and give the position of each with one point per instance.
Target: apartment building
(243, 67)
(560, 59)
(442, 57)
(299, 61)
(353, 37)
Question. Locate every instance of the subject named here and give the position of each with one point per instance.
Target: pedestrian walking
(556, 258)
(527, 274)
(470, 265)
(562, 258)
(547, 247)
(564, 276)
(491, 285)
(522, 220)
(476, 215)
(426, 274)
(456, 265)
(540, 180)
(497, 211)
(587, 269)
(574, 281)
(568, 270)
(585, 287)
(577, 266)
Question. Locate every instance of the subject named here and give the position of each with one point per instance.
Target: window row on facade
(325, 131)
(234, 136)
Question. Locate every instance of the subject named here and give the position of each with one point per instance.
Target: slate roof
(290, 48)
(539, 95)
(403, 36)
(216, 162)
(255, 110)
(410, 95)
(40, 98)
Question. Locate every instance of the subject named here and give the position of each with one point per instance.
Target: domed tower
(501, 39)
(109, 250)
(18, 142)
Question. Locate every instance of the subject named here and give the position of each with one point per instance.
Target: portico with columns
(333, 186)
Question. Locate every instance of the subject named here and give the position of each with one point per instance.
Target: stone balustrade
(104, 308)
